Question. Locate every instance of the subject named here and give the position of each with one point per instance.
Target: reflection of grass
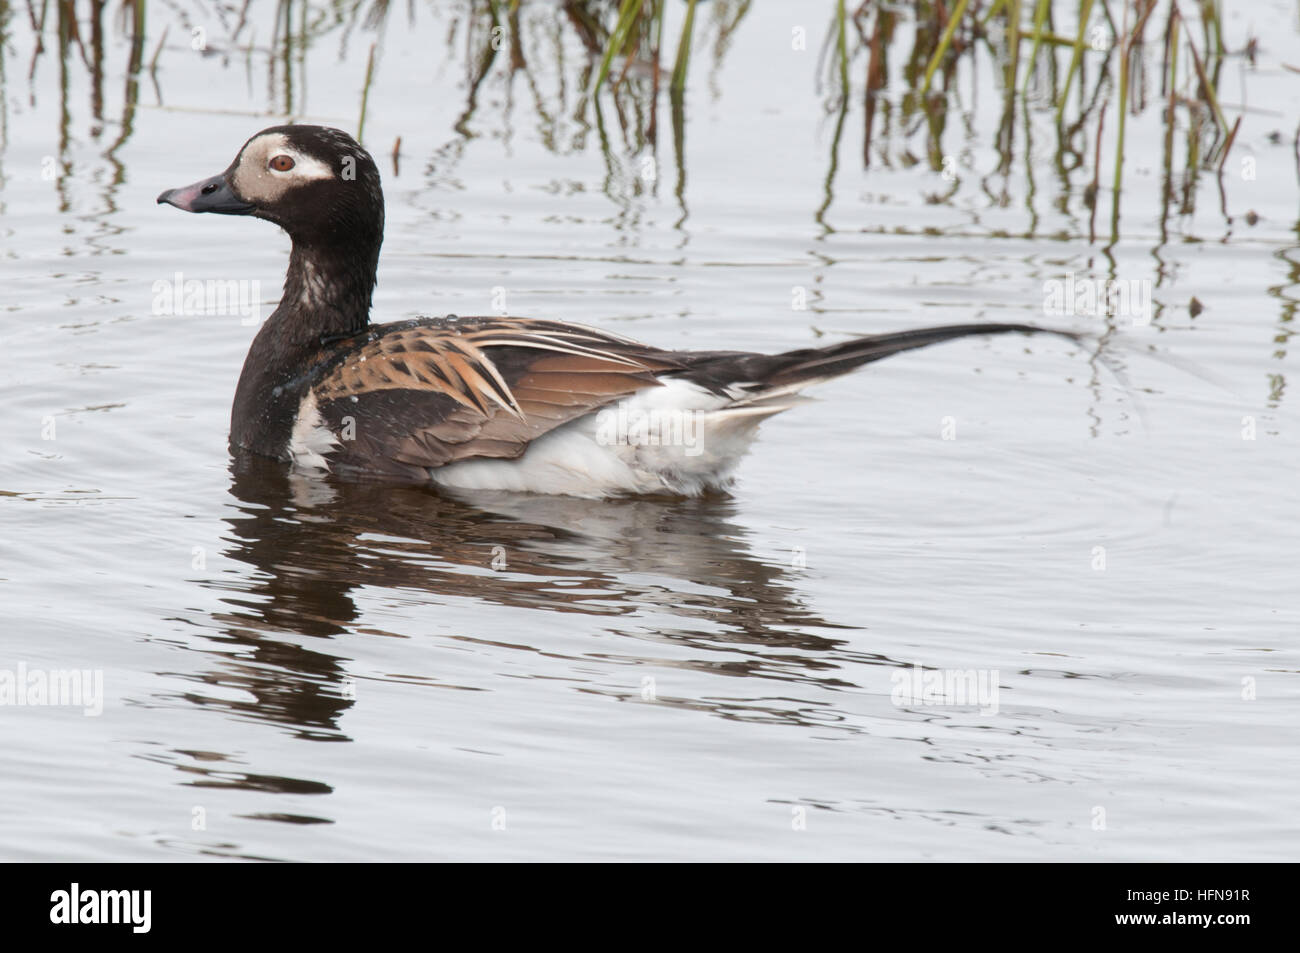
(1075, 60)
(948, 34)
(613, 89)
(636, 35)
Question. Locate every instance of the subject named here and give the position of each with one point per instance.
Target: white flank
(310, 439)
(581, 459)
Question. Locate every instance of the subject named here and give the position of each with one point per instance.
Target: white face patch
(255, 180)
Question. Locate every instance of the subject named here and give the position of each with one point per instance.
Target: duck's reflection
(314, 544)
(311, 546)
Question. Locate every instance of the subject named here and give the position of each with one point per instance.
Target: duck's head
(315, 182)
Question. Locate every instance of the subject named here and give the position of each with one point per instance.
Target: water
(300, 671)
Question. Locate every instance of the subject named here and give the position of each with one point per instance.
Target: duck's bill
(210, 195)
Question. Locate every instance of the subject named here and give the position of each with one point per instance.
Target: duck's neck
(328, 289)
(327, 292)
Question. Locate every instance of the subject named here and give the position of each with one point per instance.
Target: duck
(490, 403)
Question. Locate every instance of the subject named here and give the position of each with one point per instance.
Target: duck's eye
(282, 163)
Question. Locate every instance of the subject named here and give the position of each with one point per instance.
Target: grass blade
(944, 41)
(684, 49)
(627, 15)
(1085, 11)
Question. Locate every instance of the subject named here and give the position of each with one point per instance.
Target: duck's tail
(754, 378)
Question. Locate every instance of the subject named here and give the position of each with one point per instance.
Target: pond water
(297, 670)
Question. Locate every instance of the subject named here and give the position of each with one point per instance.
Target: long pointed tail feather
(769, 374)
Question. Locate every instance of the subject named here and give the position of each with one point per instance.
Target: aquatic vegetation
(1084, 69)
(1046, 51)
